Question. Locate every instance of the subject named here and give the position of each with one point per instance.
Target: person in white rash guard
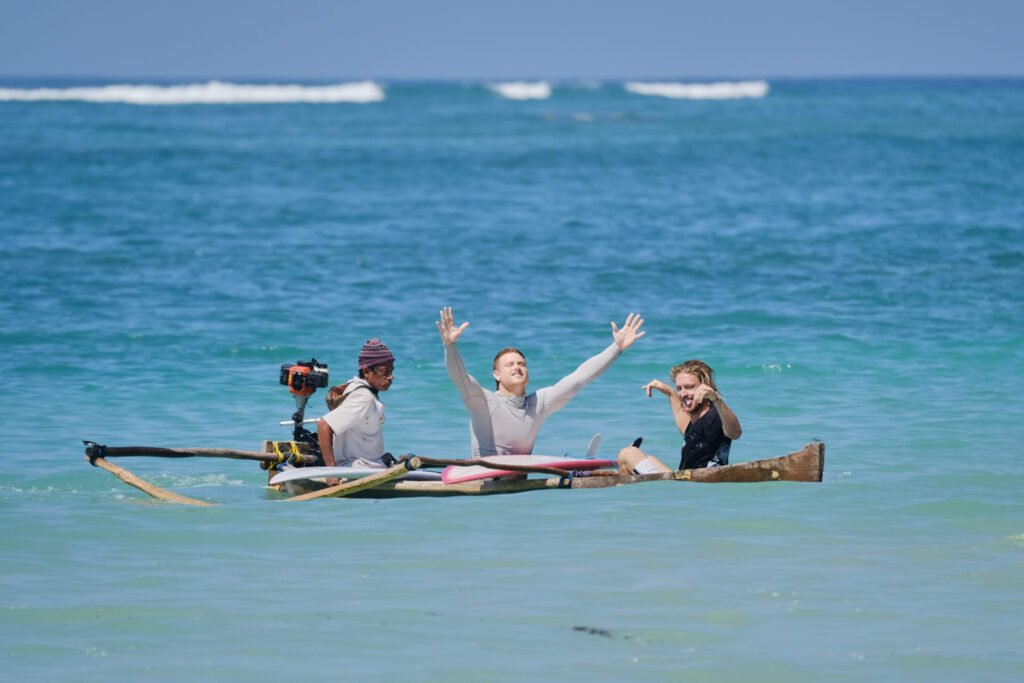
(506, 421)
(352, 433)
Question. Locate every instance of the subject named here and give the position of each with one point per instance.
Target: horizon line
(496, 79)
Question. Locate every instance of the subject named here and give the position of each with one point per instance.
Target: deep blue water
(848, 255)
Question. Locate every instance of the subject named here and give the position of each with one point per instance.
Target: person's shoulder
(359, 393)
(355, 383)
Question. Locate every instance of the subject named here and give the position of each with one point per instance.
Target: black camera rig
(303, 378)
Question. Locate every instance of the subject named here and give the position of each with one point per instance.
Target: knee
(629, 457)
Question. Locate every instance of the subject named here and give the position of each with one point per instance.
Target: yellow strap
(281, 457)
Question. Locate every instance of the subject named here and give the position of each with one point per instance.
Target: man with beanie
(352, 434)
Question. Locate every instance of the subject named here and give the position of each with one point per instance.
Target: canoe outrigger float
(805, 465)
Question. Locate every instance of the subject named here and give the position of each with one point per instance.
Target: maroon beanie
(374, 353)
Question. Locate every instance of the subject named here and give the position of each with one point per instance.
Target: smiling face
(689, 375)
(686, 385)
(510, 372)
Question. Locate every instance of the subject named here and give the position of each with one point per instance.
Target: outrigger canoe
(804, 465)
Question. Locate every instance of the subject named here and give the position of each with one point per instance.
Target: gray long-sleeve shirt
(508, 425)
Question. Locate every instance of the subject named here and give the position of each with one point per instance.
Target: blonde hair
(699, 369)
(507, 349)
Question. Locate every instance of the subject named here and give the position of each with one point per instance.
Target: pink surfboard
(455, 474)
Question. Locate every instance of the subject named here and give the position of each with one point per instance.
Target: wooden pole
(356, 485)
(143, 485)
(98, 450)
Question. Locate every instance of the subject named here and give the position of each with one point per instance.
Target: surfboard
(303, 473)
(455, 474)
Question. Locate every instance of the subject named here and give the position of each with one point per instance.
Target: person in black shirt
(706, 422)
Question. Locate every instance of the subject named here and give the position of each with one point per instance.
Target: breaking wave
(700, 91)
(520, 90)
(213, 92)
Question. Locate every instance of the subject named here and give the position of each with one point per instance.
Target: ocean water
(848, 255)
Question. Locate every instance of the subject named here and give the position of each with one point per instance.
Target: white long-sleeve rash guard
(508, 425)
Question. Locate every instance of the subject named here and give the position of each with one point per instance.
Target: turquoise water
(847, 254)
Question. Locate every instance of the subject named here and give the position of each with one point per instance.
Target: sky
(511, 39)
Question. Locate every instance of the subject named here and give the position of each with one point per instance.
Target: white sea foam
(700, 91)
(196, 480)
(213, 92)
(520, 90)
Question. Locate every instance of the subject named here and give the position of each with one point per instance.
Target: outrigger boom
(805, 465)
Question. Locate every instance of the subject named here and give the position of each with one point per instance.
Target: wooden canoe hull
(805, 465)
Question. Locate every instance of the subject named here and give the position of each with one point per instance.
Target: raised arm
(469, 389)
(555, 397)
(680, 416)
(629, 333)
(446, 326)
(730, 423)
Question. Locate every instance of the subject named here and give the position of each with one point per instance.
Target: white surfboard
(459, 473)
(321, 473)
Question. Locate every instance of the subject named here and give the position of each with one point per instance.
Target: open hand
(446, 326)
(629, 333)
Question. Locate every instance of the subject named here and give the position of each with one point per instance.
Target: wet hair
(507, 349)
(699, 369)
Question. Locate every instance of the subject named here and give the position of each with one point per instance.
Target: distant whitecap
(700, 91)
(213, 92)
(520, 90)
